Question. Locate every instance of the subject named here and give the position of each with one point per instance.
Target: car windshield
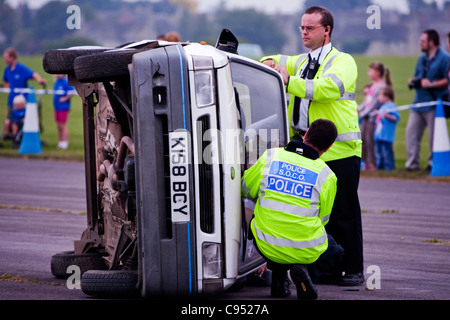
(262, 109)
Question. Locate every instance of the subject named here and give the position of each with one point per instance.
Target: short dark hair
(433, 35)
(321, 134)
(11, 52)
(327, 17)
(388, 92)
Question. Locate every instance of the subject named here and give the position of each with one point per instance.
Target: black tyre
(104, 66)
(60, 61)
(85, 261)
(110, 283)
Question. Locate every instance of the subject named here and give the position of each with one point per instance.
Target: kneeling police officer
(294, 192)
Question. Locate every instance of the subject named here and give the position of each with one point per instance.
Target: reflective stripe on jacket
(294, 197)
(332, 95)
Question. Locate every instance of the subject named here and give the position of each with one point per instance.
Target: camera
(415, 83)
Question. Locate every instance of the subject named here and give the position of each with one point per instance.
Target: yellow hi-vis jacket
(294, 197)
(332, 95)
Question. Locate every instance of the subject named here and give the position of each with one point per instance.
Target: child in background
(17, 117)
(386, 123)
(380, 77)
(61, 103)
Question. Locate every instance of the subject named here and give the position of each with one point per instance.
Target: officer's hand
(259, 272)
(284, 74)
(269, 63)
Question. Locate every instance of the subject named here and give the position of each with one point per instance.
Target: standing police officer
(322, 85)
(294, 191)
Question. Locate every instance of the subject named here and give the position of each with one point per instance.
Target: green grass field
(401, 69)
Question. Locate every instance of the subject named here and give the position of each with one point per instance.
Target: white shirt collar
(315, 54)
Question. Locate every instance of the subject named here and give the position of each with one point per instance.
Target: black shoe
(280, 292)
(8, 137)
(352, 279)
(280, 285)
(301, 279)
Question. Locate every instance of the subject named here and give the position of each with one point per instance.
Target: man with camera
(430, 82)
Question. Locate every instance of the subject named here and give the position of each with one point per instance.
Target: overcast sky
(273, 6)
(282, 6)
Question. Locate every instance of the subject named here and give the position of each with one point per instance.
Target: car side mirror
(227, 42)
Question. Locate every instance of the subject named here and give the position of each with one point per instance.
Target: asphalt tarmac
(405, 229)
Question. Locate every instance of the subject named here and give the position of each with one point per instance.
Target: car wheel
(85, 261)
(110, 283)
(60, 61)
(104, 66)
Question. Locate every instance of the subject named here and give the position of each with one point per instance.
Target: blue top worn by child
(18, 115)
(387, 118)
(385, 128)
(62, 89)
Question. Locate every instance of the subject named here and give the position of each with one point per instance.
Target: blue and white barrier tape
(419, 105)
(38, 91)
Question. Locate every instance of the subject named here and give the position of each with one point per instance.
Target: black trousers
(345, 222)
(328, 262)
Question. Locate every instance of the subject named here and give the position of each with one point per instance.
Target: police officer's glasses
(308, 29)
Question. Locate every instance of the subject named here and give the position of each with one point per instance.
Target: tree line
(35, 31)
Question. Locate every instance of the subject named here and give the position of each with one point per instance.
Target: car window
(261, 105)
(260, 99)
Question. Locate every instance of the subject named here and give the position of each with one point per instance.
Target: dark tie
(297, 100)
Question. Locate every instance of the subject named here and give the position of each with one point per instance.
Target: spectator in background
(446, 107)
(172, 36)
(430, 82)
(61, 104)
(376, 73)
(16, 76)
(17, 117)
(387, 117)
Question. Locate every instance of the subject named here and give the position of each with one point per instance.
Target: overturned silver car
(169, 129)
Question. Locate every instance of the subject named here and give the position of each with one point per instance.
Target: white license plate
(179, 175)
